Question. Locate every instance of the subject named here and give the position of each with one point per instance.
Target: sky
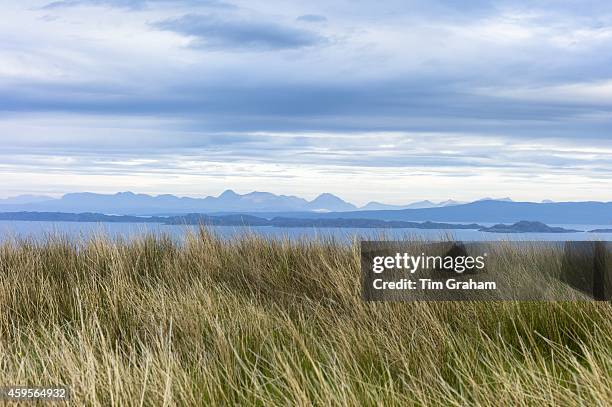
(393, 101)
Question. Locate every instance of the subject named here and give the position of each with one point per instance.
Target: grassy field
(151, 322)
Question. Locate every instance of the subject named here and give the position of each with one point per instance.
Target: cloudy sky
(392, 100)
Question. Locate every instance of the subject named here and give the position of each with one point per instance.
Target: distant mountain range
(129, 203)
(377, 206)
(587, 213)
(325, 206)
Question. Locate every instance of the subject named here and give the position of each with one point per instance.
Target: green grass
(250, 321)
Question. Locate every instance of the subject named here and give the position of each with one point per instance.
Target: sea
(38, 230)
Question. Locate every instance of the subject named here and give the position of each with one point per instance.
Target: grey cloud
(61, 4)
(400, 105)
(312, 18)
(133, 4)
(226, 33)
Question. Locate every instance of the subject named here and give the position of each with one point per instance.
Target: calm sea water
(75, 230)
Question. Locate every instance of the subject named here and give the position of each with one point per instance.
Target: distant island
(527, 227)
(230, 220)
(284, 222)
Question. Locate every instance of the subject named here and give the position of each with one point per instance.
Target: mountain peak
(228, 193)
(330, 202)
(326, 195)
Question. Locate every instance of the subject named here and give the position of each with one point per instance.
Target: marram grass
(258, 322)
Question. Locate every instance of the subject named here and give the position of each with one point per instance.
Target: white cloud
(597, 93)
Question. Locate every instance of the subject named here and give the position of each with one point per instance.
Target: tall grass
(253, 321)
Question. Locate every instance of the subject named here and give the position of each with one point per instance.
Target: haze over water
(76, 230)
